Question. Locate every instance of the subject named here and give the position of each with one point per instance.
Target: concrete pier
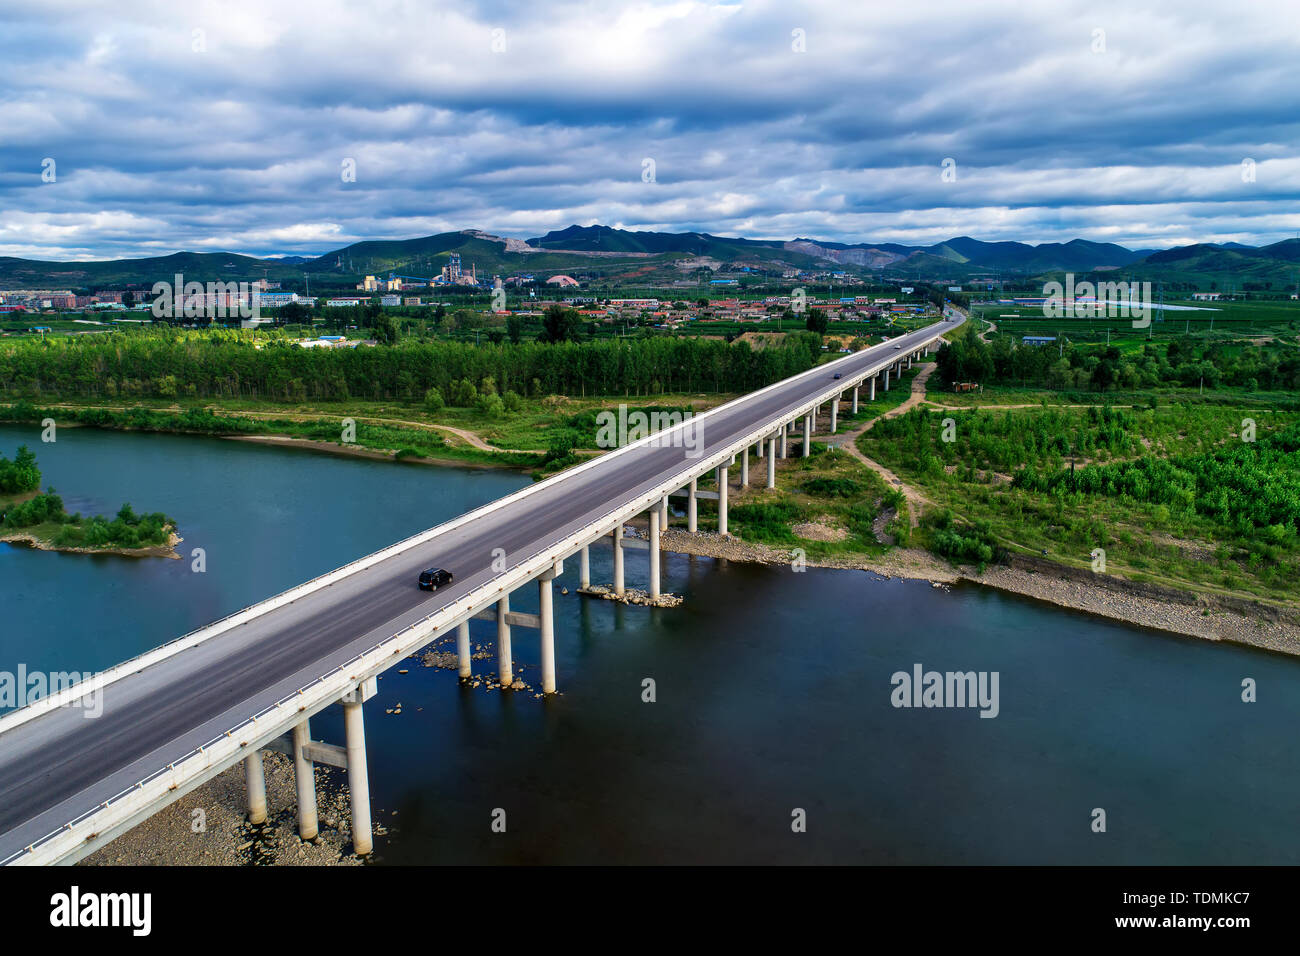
(807, 435)
(744, 468)
(692, 508)
(855, 399)
(619, 590)
(784, 428)
(872, 396)
(771, 462)
(663, 512)
(255, 785)
(358, 779)
(505, 669)
(584, 567)
(304, 775)
(722, 500)
(654, 554)
(462, 650)
(835, 414)
(545, 611)
(886, 379)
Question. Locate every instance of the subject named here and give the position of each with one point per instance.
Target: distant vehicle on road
(837, 374)
(433, 578)
(898, 346)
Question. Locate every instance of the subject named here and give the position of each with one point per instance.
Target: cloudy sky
(143, 127)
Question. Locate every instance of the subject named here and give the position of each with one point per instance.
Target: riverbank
(357, 451)
(1152, 606)
(208, 826)
(31, 540)
(394, 440)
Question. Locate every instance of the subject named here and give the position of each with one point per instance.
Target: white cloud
(239, 146)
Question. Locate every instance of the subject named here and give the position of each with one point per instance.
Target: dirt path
(850, 444)
(469, 437)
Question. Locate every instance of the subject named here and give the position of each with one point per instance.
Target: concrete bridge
(177, 716)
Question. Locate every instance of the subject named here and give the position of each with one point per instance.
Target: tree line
(1182, 362)
(220, 364)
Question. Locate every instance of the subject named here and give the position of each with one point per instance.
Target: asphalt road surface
(57, 766)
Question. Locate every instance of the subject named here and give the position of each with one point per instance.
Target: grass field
(1228, 320)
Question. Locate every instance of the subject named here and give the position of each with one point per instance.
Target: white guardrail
(92, 828)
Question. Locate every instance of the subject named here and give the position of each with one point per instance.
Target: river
(772, 689)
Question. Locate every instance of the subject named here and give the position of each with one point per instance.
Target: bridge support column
(692, 509)
(462, 650)
(618, 561)
(760, 447)
(722, 500)
(255, 785)
(872, 395)
(835, 414)
(545, 611)
(744, 468)
(358, 779)
(784, 428)
(505, 668)
(654, 553)
(887, 379)
(584, 567)
(807, 435)
(855, 398)
(771, 462)
(663, 512)
(304, 775)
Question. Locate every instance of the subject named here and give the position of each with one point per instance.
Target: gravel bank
(225, 837)
(1145, 605)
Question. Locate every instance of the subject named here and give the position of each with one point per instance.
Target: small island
(36, 518)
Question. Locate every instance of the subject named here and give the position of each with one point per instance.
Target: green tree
(560, 324)
(385, 329)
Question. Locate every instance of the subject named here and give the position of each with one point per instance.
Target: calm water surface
(773, 690)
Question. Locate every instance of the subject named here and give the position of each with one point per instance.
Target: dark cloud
(225, 125)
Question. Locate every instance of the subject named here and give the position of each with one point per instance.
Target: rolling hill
(620, 255)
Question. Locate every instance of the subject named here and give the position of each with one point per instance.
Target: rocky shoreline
(167, 550)
(1156, 607)
(208, 827)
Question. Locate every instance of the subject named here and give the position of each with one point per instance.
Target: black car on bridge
(433, 578)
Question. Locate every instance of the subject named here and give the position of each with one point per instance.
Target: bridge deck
(60, 764)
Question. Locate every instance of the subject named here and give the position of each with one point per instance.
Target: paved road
(60, 764)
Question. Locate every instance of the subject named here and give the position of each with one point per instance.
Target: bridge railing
(461, 606)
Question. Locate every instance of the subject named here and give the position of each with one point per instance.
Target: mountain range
(650, 258)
